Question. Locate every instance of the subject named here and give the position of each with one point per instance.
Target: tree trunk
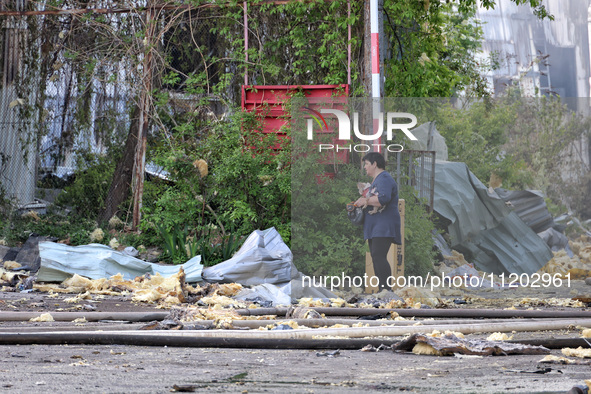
(120, 185)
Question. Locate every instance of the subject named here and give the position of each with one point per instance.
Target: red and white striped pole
(375, 69)
(375, 49)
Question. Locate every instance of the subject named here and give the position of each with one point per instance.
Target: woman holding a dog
(381, 226)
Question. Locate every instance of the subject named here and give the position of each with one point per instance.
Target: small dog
(366, 191)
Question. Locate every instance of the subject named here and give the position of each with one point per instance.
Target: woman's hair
(375, 157)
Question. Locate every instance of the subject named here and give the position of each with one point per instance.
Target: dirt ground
(157, 369)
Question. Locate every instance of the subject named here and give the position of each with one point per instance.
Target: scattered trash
(264, 292)
(302, 312)
(499, 336)
(540, 370)
(556, 241)
(329, 354)
(550, 359)
(16, 281)
(413, 295)
(184, 388)
(562, 264)
(147, 288)
(578, 352)
(438, 334)
(264, 258)
(450, 344)
(564, 302)
(371, 348)
(288, 325)
(471, 278)
(44, 317)
(282, 327)
(11, 265)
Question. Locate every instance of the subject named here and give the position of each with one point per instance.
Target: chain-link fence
(73, 82)
(415, 168)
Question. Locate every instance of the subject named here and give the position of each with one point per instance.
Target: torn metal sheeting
(450, 344)
(481, 225)
(530, 206)
(95, 261)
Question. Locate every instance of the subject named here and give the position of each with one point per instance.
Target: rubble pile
(578, 266)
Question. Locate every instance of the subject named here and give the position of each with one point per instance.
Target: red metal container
(268, 100)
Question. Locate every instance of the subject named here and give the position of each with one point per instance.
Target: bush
(418, 249)
(245, 187)
(88, 193)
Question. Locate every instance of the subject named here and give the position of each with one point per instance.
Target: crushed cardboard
(450, 344)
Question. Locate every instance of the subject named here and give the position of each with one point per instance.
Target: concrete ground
(161, 369)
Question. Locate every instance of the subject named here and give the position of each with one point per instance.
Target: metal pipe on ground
(458, 312)
(362, 332)
(106, 338)
(89, 316)
(441, 313)
(253, 324)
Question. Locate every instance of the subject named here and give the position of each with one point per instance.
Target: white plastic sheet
(263, 258)
(266, 292)
(95, 261)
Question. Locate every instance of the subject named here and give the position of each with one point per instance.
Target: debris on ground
(439, 334)
(372, 348)
(146, 288)
(499, 336)
(564, 302)
(11, 265)
(449, 344)
(578, 352)
(417, 296)
(265, 295)
(329, 354)
(44, 317)
(456, 266)
(551, 359)
(302, 312)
